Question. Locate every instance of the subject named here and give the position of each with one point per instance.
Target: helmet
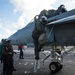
(43, 19)
(36, 17)
(7, 40)
(62, 6)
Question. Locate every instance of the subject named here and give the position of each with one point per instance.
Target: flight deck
(25, 66)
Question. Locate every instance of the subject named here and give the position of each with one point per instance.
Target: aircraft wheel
(54, 67)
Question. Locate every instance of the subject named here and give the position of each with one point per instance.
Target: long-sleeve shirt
(7, 51)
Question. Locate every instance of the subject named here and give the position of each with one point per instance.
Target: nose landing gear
(55, 66)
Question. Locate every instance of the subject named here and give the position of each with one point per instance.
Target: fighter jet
(60, 31)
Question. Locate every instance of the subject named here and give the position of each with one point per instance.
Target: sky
(16, 14)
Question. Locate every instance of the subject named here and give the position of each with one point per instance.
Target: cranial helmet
(62, 6)
(43, 19)
(36, 17)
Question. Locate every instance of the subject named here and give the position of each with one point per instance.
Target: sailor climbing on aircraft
(52, 12)
(40, 22)
(61, 9)
(39, 28)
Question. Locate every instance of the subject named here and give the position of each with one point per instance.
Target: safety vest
(20, 47)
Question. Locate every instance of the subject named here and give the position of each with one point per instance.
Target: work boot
(37, 58)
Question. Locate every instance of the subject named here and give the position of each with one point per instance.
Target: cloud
(21, 22)
(30, 8)
(70, 4)
(5, 30)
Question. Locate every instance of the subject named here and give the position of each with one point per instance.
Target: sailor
(61, 9)
(59, 49)
(7, 56)
(1, 52)
(40, 22)
(20, 47)
(3, 41)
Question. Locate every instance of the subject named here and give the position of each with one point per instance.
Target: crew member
(61, 9)
(21, 56)
(39, 28)
(1, 52)
(59, 49)
(3, 42)
(7, 56)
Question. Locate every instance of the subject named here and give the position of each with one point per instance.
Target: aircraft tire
(54, 67)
